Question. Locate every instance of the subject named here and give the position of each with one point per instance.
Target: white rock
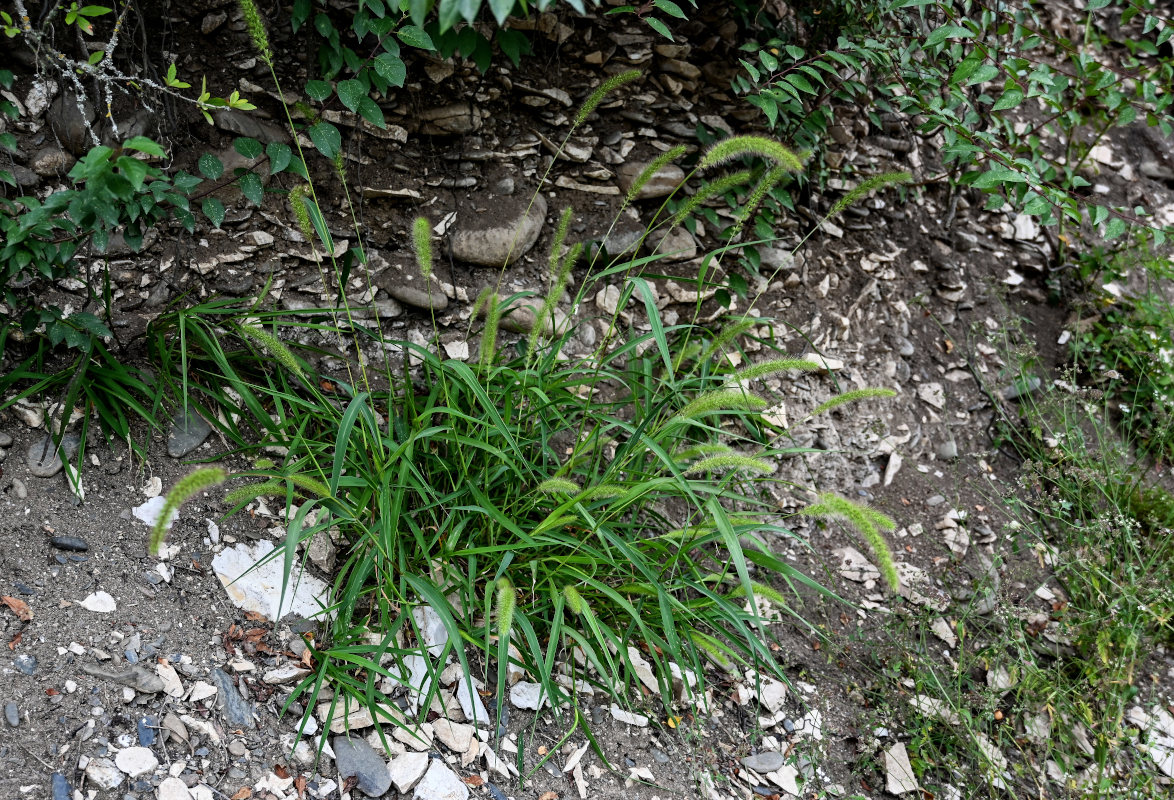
(629, 717)
(854, 566)
(943, 631)
(454, 735)
(149, 512)
(259, 589)
(286, 673)
(810, 725)
(100, 602)
(1025, 227)
(201, 690)
(418, 737)
(431, 628)
(607, 299)
(136, 761)
(171, 683)
(528, 695)
(892, 467)
(441, 783)
(103, 774)
(935, 708)
(933, 394)
(899, 777)
(173, 789)
(407, 770)
(470, 702)
(786, 778)
(643, 670)
(771, 693)
(419, 684)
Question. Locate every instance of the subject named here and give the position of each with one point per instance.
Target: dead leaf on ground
(18, 607)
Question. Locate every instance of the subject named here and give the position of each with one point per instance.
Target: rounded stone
(503, 235)
(136, 761)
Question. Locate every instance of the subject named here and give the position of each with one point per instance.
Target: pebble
(75, 544)
(355, 758)
(764, 762)
(5, 439)
(236, 710)
(25, 663)
(628, 717)
(12, 714)
(173, 789)
(1022, 387)
(188, 431)
(103, 774)
(788, 726)
(505, 241)
(527, 695)
(948, 450)
(136, 761)
(61, 788)
(43, 460)
(146, 730)
(441, 783)
(662, 183)
(407, 770)
(495, 793)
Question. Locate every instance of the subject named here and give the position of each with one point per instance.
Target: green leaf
(415, 36)
(351, 92)
(984, 73)
(670, 8)
(214, 210)
(799, 82)
(89, 322)
(370, 111)
(210, 166)
(249, 148)
(143, 145)
(1114, 228)
(391, 69)
(501, 9)
(998, 175)
(279, 155)
(318, 90)
(326, 138)
(660, 28)
(1010, 99)
(251, 187)
(948, 32)
(133, 170)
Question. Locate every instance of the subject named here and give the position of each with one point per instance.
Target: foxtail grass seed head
(851, 397)
(488, 304)
(605, 88)
(765, 369)
(422, 242)
(654, 166)
(602, 491)
(507, 604)
(298, 198)
(251, 491)
(575, 601)
(875, 182)
(761, 590)
(560, 237)
(765, 184)
(738, 146)
(255, 26)
(557, 486)
(730, 463)
(184, 488)
(868, 523)
(702, 451)
(722, 400)
(276, 348)
(715, 188)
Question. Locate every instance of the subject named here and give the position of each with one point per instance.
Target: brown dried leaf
(19, 607)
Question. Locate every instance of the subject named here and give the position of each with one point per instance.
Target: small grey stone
(43, 460)
(662, 183)
(188, 431)
(904, 347)
(456, 118)
(12, 714)
(356, 758)
(948, 450)
(507, 236)
(75, 544)
(72, 122)
(136, 677)
(935, 500)
(5, 439)
(249, 125)
(764, 762)
(1022, 387)
(102, 773)
(236, 710)
(237, 748)
(788, 726)
(61, 788)
(406, 284)
(25, 663)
